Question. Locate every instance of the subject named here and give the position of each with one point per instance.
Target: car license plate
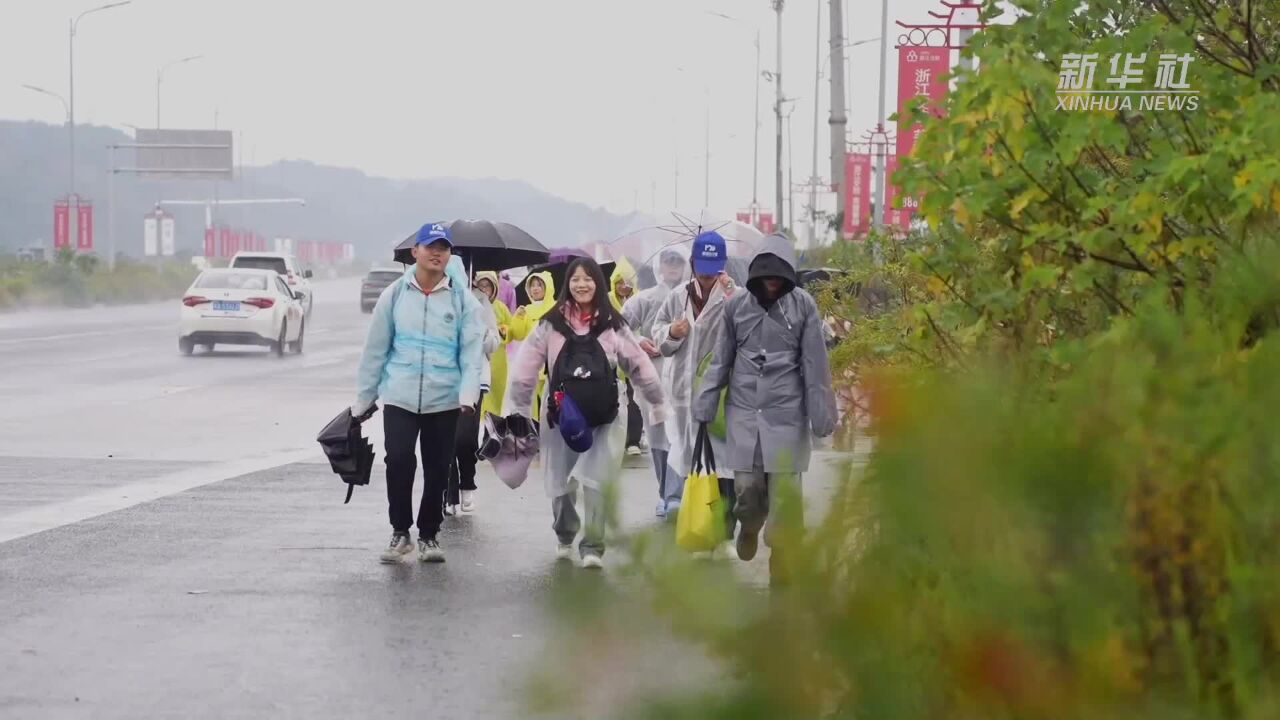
(225, 306)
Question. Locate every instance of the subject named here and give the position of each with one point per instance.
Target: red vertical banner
(84, 227)
(210, 242)
(224, 242)
(744, 217)
(857, 199)
(766, 225)
(61, 225)
(921, 73)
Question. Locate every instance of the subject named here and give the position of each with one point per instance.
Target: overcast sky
(592, 100)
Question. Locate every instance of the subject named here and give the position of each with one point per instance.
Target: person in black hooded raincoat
(772, 357)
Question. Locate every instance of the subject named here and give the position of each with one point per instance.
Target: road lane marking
(55, 515)
(92, 333)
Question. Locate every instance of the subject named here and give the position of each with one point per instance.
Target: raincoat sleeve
(633, 313)
(672, 309)
(635, 362)
(707, 403)
(819, 398)
(471, 352)
(377, 346)
(523, 376)
(522, 324)
(502, 315)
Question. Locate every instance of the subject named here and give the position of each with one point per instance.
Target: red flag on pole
(857, 203)
(61, 225)
(84, 227)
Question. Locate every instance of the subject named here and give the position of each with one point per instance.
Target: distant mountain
(343, 205)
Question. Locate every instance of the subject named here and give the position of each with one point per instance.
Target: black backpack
(582, 372)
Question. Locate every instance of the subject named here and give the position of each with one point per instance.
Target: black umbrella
(350, 454)
(485, 245)
(558, 271)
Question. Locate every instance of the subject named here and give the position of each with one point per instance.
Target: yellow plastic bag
(700, 524)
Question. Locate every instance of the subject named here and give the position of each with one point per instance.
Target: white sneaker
(468, 501)
(399, 547)
(429, 551)
(564, 552)
(633, 451)
(593, 562)
(644, 444)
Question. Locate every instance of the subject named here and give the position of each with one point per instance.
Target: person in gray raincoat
(685, 329)
(639, 312)
(772, 357)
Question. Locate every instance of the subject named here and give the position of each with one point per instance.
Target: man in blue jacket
(423, 359)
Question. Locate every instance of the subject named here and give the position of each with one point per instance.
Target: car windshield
(262, 263)
(232, 281)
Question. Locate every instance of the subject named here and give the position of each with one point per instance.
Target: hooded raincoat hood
(492, 277)
(622, 270)
(775, 258)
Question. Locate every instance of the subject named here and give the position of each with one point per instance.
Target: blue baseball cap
(709, 255)
(432, 232)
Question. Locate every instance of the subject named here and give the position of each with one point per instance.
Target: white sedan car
(241, 307)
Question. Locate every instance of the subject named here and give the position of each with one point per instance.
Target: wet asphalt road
(171, 544)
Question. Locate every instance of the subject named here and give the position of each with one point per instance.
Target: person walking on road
(640, 312)
(622, 286)
(541, 289)
(584, 341)
(686, 328)
(462, 472)
(423, 360)
(771, 356)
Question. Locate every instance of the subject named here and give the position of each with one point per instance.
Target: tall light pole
(837, 119)
(777, 111)
(160, 79)
(71, 106)
(813, 179)
(877, 216)
(66, 109)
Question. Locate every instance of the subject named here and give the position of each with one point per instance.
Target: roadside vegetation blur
(1072, 507)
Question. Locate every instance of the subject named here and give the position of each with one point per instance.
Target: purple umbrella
(565, 254)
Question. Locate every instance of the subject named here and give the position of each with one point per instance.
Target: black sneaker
(429, 551)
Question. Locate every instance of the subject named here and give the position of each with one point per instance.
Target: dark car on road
(374, 283)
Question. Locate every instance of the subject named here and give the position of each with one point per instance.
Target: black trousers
(635, 423)
(435, 432)
(462, 473)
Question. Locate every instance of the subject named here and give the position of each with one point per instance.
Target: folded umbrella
(350, 454)
(484, 245)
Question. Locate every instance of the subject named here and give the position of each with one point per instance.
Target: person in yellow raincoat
(622, 287)
(541, 288)
(487, 283)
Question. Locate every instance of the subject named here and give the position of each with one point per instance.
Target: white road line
(93, 333)
(55, 515)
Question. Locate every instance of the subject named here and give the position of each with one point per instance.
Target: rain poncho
(498, 359)
(424, 349)
(603, 462)
(640, 312)
(622, 270)
(774, 363)
(687, 360)
(523, 324)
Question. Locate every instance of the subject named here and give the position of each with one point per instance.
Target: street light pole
(71, 81)
(813, 179)
(160, 79)
(838, 120)
(877, 216)
(755, 147)
(777, 111)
